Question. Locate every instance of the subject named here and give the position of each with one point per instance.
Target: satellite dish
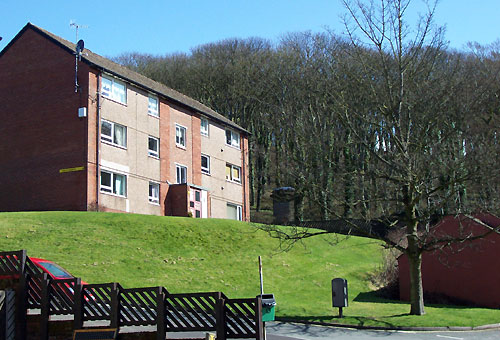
(79, 46)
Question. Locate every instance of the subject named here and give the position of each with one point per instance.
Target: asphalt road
(291, 331)
(295, 331)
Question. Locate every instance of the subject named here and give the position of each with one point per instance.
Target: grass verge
(193, 255)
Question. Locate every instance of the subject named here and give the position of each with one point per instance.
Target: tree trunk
(416, 287)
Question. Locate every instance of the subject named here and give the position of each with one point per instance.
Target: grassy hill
(194, 255)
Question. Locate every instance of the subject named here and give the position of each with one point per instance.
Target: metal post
(261, 279)
(260, 299)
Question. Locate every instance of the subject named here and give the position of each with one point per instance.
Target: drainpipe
(98, 133)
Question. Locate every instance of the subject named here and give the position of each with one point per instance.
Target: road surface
(293, 331)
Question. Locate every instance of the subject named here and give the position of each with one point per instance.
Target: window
(114, 133)
(181, 174)
(204, 127)
(233, 173)
(153, 106)
(113, 183)
(114, 89)
(234, 212)
(154, 193)
(180, 136)
(205, 164)
(153, 147)
(233, 138)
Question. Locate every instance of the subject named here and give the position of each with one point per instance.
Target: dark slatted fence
(153, 306)
(97, 301)
(191, 312)
(138, 306)
(243, 318)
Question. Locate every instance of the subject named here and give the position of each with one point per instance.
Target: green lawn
(193, 255)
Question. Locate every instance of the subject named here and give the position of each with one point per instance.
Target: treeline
(359, 130)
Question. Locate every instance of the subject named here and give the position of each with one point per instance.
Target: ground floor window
(113, 183)
(154, 193)
(234, 212)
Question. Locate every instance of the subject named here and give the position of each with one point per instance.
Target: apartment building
(80, 132)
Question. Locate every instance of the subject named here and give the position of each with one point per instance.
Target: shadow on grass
(430, 300)
(347, 320)
(377, 296)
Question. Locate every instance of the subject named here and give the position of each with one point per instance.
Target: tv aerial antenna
(78, 50)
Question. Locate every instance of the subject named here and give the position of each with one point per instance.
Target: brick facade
(40, 133)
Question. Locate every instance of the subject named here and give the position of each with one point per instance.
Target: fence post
(115, 305)
(21, 298)
(220, 320)
(45, 307)
(160, 314)
(259, 325)
(78, 304)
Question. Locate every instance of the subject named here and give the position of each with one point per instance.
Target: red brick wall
(165, 159)
(177, 200)
(40, 132)
(245, 178)
(92, 131)
(196, 149)
(467, 272)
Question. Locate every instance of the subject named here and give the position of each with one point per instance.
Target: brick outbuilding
(466, 272)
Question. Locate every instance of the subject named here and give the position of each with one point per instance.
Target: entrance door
(195, 202)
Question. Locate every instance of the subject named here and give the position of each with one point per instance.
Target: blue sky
(166, 26)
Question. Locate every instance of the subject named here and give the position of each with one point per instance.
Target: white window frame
(239, 211)
(178, 139)
(205, 170)
(230, 176)
(204, 132)
(110, 139)
(153, 111)
(152, 198)
(112, 92)
(110, 189)
(151, 152)
(234, 142)
(180, 167)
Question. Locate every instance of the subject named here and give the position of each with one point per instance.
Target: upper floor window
(204, 127)
(233, 138)
(114, 89)
(114, 133)
(205, 164)
(113, 183)
(180, 136)
(154, 193)
(153, 106)
(233, 173)
(180, 174)
(153, 147)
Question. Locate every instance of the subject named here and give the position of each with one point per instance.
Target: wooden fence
(118, 306)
